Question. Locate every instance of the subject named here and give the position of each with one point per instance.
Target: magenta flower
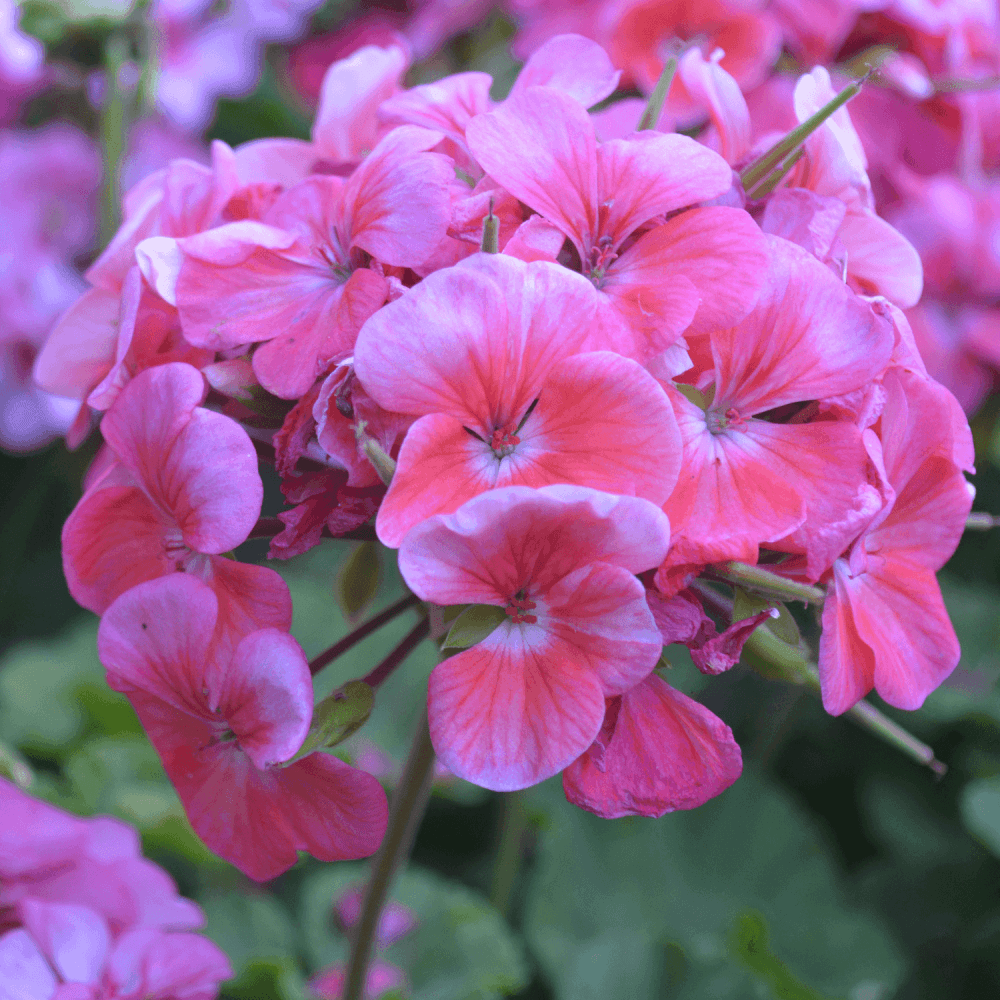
(529, 699)
(299, 282)
(747, 481)
(541, 146)
(185, 489)
(487, 354)
(224, 724)
(658, 750)
(884, 622)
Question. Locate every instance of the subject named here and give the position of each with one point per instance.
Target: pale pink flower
(227, 722)
(487, 354)
(530, 698)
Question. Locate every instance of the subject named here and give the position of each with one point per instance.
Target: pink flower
(884, 622)
(541, 146)
(657, 751)
(380, 978)
(747, 481)
(185, 489)
(65, 952)
(224, 724)
(298, 284)
(530, 698)
(48, 855)
(487, 355)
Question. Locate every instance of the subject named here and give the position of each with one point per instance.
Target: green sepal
(337, 716)
(747, 604)
(358, 581)
(473, 625)
(692, 394)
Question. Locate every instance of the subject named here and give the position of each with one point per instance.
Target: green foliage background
(835, 868)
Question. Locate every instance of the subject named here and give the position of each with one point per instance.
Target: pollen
(517, 608)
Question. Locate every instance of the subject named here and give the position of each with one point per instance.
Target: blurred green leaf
(461, 948)
(751, 946)
(358, 580)
(257, 934)
(980, 807)
(686, 878)
(337, 716)
(39, 709)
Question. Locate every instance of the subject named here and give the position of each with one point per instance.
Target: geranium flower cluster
(83, 916)
(569, 370)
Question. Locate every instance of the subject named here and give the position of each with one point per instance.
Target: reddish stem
(413, 638)
(361, 632)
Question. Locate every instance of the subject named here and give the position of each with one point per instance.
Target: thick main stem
(363, 631)
(408, 805)
(411, 640)
(508, 857)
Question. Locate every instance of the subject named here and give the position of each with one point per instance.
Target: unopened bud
(374, 452)
(491, 232)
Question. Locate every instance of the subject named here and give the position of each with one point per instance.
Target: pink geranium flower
(746, 480)
(224, 722)
(487, 355)
(299, 282)
(64, 951)
(884, 622)
(658, 750)
(541, 146)
(530, 698)
(185, 489)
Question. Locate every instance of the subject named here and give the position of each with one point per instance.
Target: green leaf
(461, 947)
(685, 879)
(338, 716)
(358, 581)
(980, 806)
(751, 946)
(473, 625)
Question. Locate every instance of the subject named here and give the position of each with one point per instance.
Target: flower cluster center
(517, 608)
(504, 440)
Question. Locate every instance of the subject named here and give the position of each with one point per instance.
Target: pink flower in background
(86, 917)
(227, 722)
(184, 489)
(487, 354)
(530, 698)
(21, 63)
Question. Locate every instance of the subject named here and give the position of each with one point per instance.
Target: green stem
(981, 522)
(491, 232)
(508, 857)
(113, 127)
(763, 581)
(869, 717)
(771, 181)
(408, 805)
(755, 172)
(654, 106)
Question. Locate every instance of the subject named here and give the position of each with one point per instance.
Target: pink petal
(167, 965)
(572, 64)
(156, 638)
(475, 341)
(535, 239)
(881, 259)
(447, 105)
(266, 697)
(665, 752)
(846, 662)
(488, 549)
(199, 467)
(811, 220)
(710, 86)
(80, 350)
(719, 250)
(397, 204)
(722, 651)
(680, 618)
(513, 710)
(346, 125)
(807, 337)
(250, 598)
(650, 174)
(23, 968)
(540, 145)
(113, 540)
(74, 938)
(899, 614)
